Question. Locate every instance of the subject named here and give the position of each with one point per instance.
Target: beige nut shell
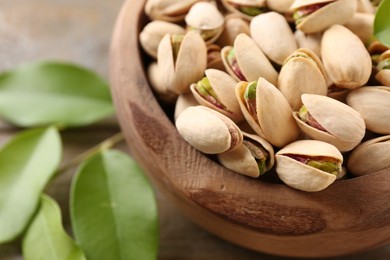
(303, 177)
(373, 103)
(224, 87)
(274, 114)
(345, 58)
(242, 161)
(273, 35)
(371, 156)
(208, 131)
(168, 10)
(345, 126)
(336, 12)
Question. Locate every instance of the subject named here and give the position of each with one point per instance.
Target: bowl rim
(271, 218)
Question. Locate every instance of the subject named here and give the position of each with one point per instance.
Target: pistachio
(246, 8)
(301, 73)
(309, 41)
(234, 25)
(365, 6)
(168, 10)
(373, 103)
(362, 24)
(331, 121)
(281, 6)
(345, 58)
(308, 165)
(182, 60)
(383, 66)
(253, 158)
(208, 130)
(205, 19)
(245, 61)
(214, 59)
(267, 112)
(313, 16)
(216, 91)
(371, 156)
(184, 101)
(161, 92)
(273, 35)
(153, 32)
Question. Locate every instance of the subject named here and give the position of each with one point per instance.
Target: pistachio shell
(191, 61)
(344, 126)
(309, 41)
(234, 25)
(362, 24)
(274, 115)
(346, 60)
(371, 156)
(281, 6)
(154, 31)
(242, 161)
(184, 101)
(208, 131)
(383, 76)
(373, 103)
(230, 5)
(224, 87)
(168, 10)
(251, 60)
(161, 92)
(205, 18)
(273, 35)
(302, 72)
(365, 6)
(336, 12)
(214, 59)
(301, 176)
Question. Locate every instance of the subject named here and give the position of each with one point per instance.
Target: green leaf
(113, 209)
(45, 93)
(382, 23)
(27, 162)
(46, 238)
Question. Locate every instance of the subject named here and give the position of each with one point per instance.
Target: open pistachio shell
(247, 9)
(253, 157)
(234, 25)
(168, 10)
(205, 19)
(267, 112)
(183, 102)
(331, 121)
(302, 176)
(334, 12)
(219, 94)
(309, 41)
(208, 131)
(345, 58)
(383, 75)
(273, 35)
(281, 6)
(373, 103)
(180, 68)
(153, 32)
(250, 59)
(301, 73)
(371, 156)
(362, 24)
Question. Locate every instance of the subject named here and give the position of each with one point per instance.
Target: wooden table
(79, 31)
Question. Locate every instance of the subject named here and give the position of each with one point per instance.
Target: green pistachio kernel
(251, 10)
(204, 88)
(384, 64)
(250, 92)
(303, 114)
(176, 41)
(329, 167)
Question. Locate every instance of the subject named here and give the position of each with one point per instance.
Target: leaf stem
(106, 144)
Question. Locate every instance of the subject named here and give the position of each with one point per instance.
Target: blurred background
(79, 31)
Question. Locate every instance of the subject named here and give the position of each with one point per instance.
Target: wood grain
(350, 216)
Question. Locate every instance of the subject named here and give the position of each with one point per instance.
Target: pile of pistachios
(284, 85)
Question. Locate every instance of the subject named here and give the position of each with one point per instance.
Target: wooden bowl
(350, 216)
